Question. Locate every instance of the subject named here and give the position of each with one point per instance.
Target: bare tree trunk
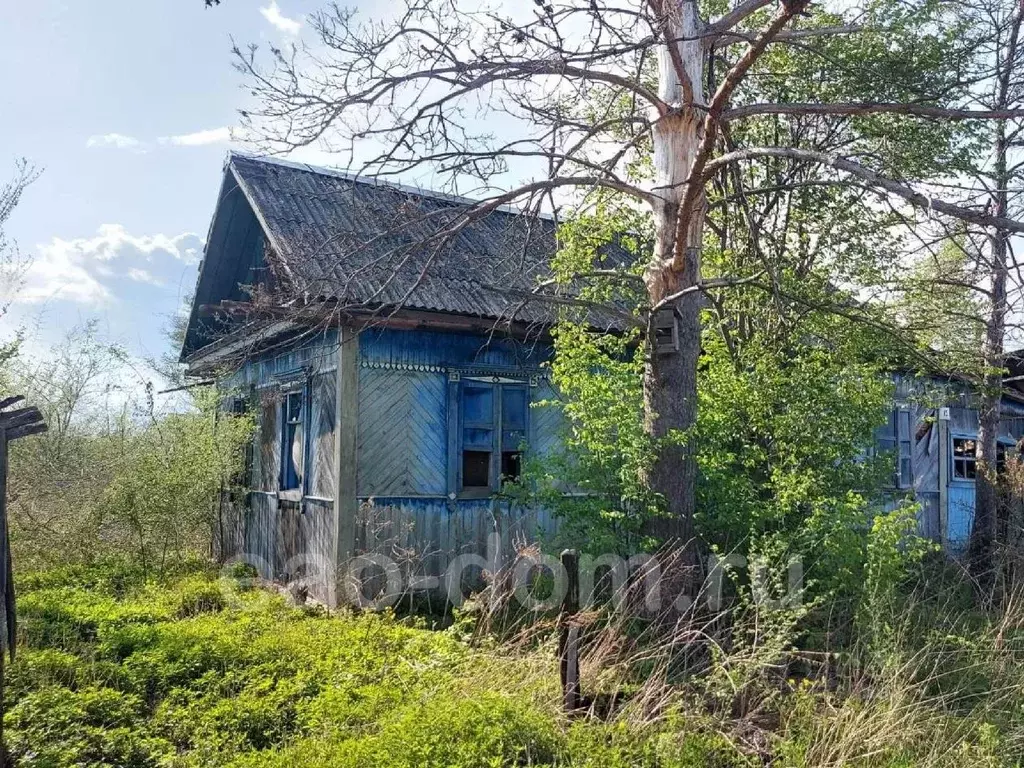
(983, 532)
(984, 529)
(670, 376)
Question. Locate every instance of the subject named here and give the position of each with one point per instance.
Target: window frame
(904, 449)
(1004, 447)
(895, 437)
(458, 423)
(286, 437)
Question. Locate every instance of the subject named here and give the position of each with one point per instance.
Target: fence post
(568, 640)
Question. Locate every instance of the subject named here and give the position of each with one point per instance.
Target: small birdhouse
(666, 331)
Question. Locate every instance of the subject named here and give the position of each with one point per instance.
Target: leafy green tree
(704, 116)
(167, 490)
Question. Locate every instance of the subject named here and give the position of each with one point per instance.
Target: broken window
(292, 443)
(965, 458)
(513, 430)
(493, 431)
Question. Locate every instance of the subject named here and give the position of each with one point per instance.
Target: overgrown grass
(196, 670)
(193, 671)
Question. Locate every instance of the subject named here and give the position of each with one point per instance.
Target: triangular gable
(233, 257)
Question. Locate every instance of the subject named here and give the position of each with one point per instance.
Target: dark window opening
(511, 466)
(476, 469)
(292, 442)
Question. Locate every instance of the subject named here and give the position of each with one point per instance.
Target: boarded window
(292, 441)
(493, 432)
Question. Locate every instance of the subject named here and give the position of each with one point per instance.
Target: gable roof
(362, 242)
(368, 244)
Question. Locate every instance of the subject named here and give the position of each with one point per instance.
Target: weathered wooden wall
(932, 486)
(402, 455)
(407, 511)
(291, 536)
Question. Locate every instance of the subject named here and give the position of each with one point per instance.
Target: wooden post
(944, 461)
(3, 586)
(568, 641)
(26, 421)
(346, 426)
(21, 422)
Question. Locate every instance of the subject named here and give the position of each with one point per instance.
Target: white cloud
(283, 24)
(143, 276)
(86, 270)
(199, 138)
(115, 141)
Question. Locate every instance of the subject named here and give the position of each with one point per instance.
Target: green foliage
(111, 475)
(893, 547)
(172, 475)
(113, 671)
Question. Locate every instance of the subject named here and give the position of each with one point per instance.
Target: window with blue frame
(493, 431)
(292, 442)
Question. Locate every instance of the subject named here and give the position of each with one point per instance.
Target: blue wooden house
(932, 435)
(398, 385)
(397, 393)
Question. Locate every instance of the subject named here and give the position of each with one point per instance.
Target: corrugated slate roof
(368, 243)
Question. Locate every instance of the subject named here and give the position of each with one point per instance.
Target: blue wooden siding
(294, 539)
(409, 442)
(435, 348)
(922, 397)
(403, 457)
(961, 514)
(546, 420)
(402, 433)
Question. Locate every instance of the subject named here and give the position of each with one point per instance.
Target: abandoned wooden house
(932, 435)
(388, 422)
(396, 384)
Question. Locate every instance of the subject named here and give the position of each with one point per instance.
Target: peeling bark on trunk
(670, 378)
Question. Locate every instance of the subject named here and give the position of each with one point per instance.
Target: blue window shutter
(282, 440)
(307, 429)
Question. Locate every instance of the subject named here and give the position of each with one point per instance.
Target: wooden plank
(943, 461)
(25, 431)
(345, 451)
(20, 417)
(568, 642)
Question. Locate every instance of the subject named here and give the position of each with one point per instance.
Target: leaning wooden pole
(20, 422)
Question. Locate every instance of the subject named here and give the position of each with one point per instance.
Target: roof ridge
(378, 182)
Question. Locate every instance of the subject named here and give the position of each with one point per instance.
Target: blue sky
(126, 106)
